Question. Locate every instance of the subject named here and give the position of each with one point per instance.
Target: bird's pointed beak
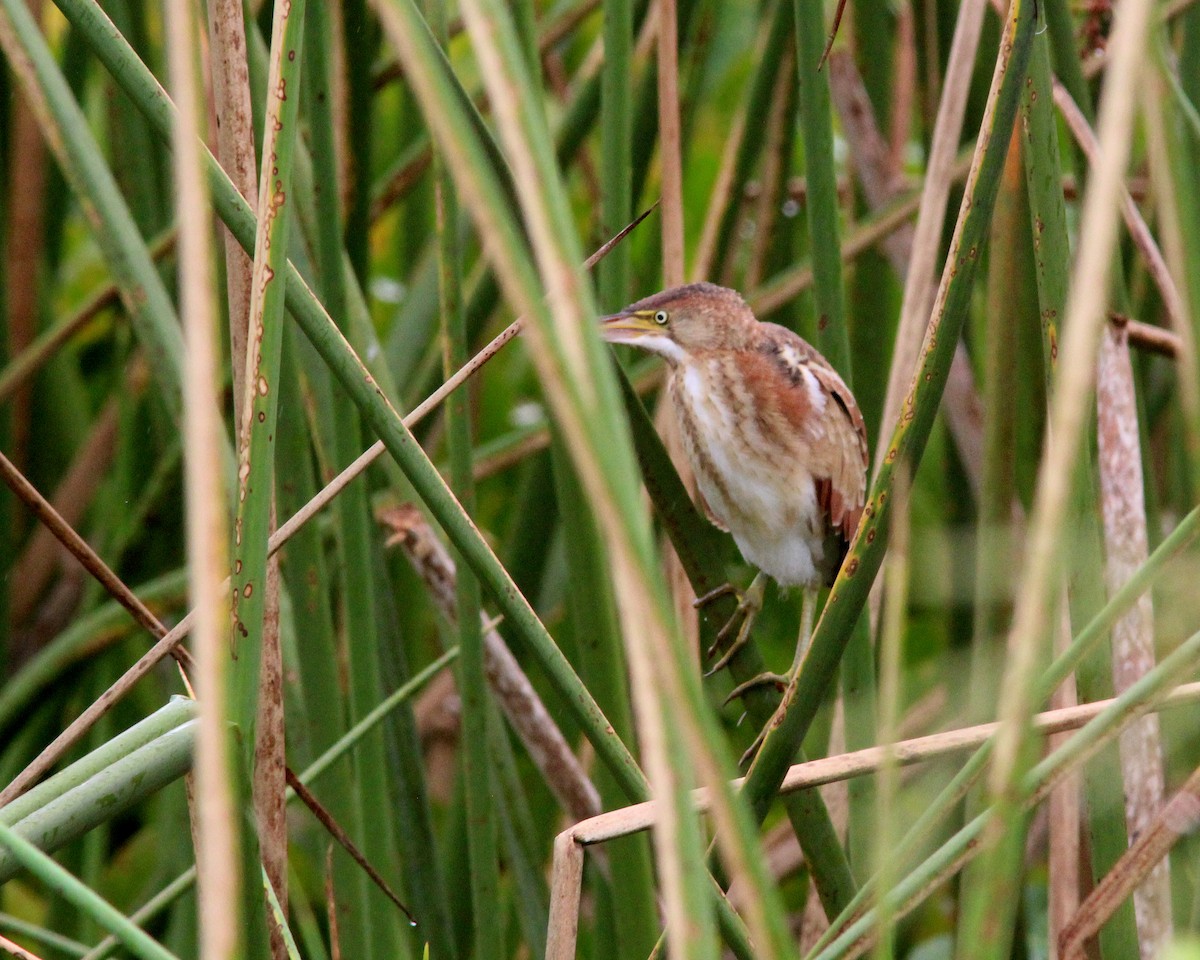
(626, 327)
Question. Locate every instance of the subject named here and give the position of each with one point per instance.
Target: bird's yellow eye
(660, 317)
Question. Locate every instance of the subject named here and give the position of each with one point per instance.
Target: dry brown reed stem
(25, 213)
(79, 548)
(331, 910)
(335, 830)
(567, 869)
(218, 873)
(1180, 816)
(904, 84)
(1064, 806)
(23, 243)
(814, 773)
(921, 278)
(548, 748)
(400, 183)
(20, 953)
(1125, 550)
(1148, 337)
(669, 139)
(235, 151)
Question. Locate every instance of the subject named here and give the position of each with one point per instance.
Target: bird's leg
(749, 603)
(808, 607)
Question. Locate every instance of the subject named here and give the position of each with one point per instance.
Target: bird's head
(683, 321)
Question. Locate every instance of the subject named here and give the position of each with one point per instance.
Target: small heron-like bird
(774, 437)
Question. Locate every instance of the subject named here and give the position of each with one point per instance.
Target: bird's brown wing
(836, 438)
(844, 453)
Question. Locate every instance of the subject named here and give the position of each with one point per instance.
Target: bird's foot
(749, 603)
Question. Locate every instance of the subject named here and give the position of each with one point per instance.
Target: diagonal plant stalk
(849, 592)
(86, 795)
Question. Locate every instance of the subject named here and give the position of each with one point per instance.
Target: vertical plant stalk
(1051, 261)
(217, 848)
(235, 151)
(22, 251)
(482, 814)
(919, 287)
(670, 157)
(1163, 152)
(816, 122)
(1068, 411)
(1126, 548)
(896, 574)
(994, 552)
(257, 670)
(1036, 605)
(367, 926)
(669, 138)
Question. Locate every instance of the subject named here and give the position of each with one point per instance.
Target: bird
(774, 437)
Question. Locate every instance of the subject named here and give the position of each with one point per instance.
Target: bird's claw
(744, 760)
(776, 680)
